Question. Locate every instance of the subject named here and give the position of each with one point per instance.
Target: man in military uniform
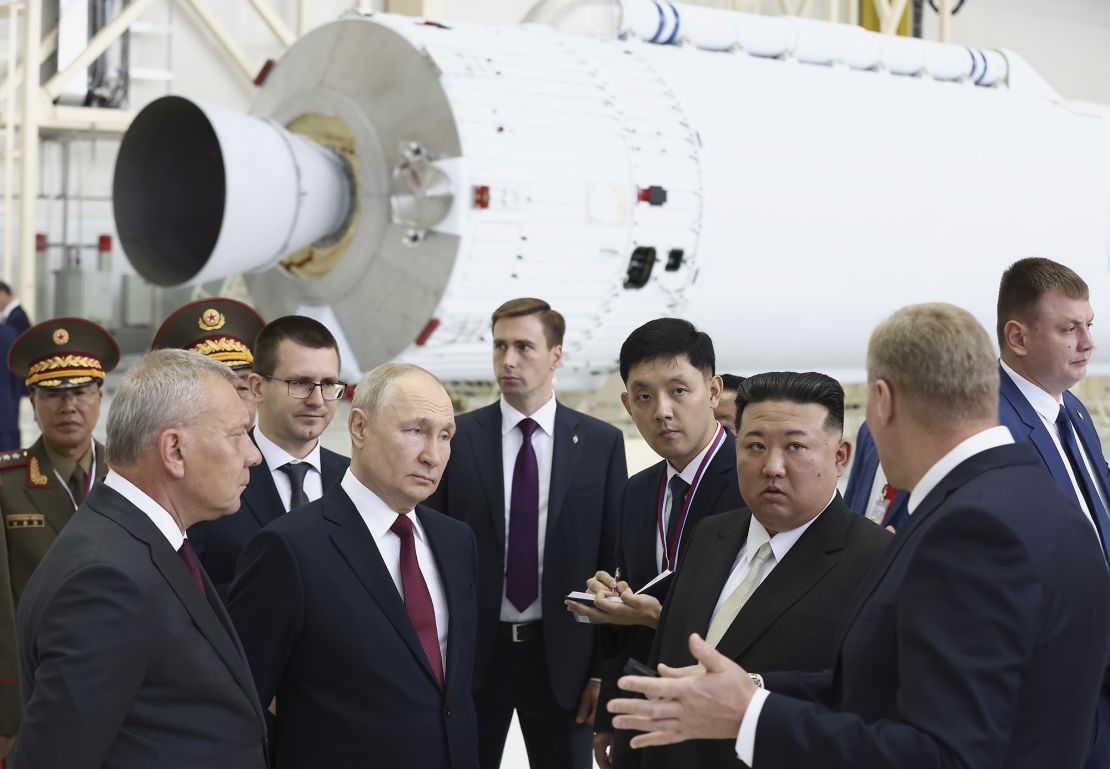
(222, 329)
(63, 362)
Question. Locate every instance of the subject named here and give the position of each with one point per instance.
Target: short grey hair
(940, 359)
(376, 388)
(160, 392)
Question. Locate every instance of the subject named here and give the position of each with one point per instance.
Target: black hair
(731, 381)
(810, 387)
(668, 338)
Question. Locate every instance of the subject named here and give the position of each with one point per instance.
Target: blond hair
(940, 360)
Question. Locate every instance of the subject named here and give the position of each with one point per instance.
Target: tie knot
(762, 554)
(678, 486)
(1063, 418)
(527, 427)
(402, 527)
(187, 553)
(296, 470)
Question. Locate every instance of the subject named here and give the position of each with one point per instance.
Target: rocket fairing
(782, 183)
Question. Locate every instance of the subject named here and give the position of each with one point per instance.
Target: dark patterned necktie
(418, 601)
(522, 570)
(679, 488)
(189, 556)
(78, 484)
(296, 472)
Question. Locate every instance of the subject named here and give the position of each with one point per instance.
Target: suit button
(447, 712)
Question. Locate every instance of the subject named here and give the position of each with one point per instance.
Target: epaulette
(13, 458)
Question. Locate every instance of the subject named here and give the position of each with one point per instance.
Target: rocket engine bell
(783, 183)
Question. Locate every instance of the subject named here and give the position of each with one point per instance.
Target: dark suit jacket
(125, 663)
(326, 631)
(588, 473)
(787, 624)
(865, 463)
(718, 492)
(979, 639)
(18, 319)
(219, 543)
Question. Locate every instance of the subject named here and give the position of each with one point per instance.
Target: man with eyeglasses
(63, 362)
(221, 329)
(296, 384)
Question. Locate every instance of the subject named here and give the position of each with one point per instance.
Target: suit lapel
(332, 467)
(718, 475)
(1089, 439)
(486, 445)
(1037, 433)
(245, 681)
(713, 569)
(44, 491)
(359, 550)
(261, 495)
(111, 504)
(803, 567)
(566, 451)
(642, 529)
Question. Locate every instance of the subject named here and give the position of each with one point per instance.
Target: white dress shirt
(158, 515)
(687, 475)
(543, 442)
(987, 439)
(276, 457)
(1048, 409)
(757, 535)
(379, 519)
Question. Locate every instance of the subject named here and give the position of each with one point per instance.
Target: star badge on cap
(63, 352)
(61, 336)
(211, 320)
(227, 329)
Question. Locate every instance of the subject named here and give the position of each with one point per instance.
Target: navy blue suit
(11, 390)
(1016, 413)
(588, 474)
(220, 542)
(968, 645)
(861, 478)
(18, 320)
(326, 631)
(718, 492)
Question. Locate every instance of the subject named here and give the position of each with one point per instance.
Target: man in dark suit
(969, 643)
(671, 392)
(725, 412)
(1044, 334)
(296, 384)
(767, 585)
(540, 485)
(868, 493)
(64, 363)
(11, 311)
(357, 611)
(128, 657)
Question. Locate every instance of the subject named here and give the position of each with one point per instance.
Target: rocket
(783, 183)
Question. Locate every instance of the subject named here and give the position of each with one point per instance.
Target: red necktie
(189, 556)
(418, 601)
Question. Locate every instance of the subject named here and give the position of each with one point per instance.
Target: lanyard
(88, 481)
(672, 552)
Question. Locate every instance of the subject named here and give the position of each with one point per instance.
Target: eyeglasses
(302, 388)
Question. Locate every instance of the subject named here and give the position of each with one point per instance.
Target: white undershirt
(543, 442)
(379, 519)
(1048, 409)
(158, 515)
(276, 457)
(987, 439)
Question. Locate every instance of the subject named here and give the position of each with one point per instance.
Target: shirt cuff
(745, 741)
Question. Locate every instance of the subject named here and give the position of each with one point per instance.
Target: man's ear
(171, 451)
(624, 402)
(843, 456)
(356, 426)
(716, 387)
(1014, 335)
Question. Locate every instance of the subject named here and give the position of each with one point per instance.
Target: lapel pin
(574, 439)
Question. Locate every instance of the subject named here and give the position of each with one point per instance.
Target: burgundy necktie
(522, 572)
(679, 487)
(189, 556)
(418, 601)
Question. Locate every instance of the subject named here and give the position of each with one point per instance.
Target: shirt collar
(64, 465)
(784, 540)
(154, 511)
(276, 456)
(8, 310)
(1043, 403)
(544, 416)
(377, 515)
(990, 438)
(692, 466)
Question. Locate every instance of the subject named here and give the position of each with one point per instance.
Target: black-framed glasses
(302, 388)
